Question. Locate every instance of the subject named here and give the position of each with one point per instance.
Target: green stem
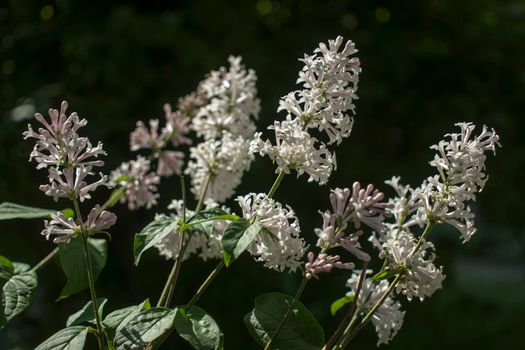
(351, 315)
(45, 261)
(348, 337)
(203, 194)
(113, 197)
(283, 321)
(169, 286)
(206, 283)
(422, 238)
(276, 184)
(91, 280)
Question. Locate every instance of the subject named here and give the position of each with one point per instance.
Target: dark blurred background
(426, 65)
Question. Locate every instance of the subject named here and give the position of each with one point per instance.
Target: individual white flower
(329, 78)
(295, 149)
(232, 102)
(388, 319)
(141, 183)
(70, 183)
(323, 263)
(59, 145)
(278, 244)
(421, 278)
(223, 161)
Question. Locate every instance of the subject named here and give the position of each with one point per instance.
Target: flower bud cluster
(357, 206)
(323, 263)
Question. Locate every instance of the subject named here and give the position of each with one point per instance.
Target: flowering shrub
(221, 113)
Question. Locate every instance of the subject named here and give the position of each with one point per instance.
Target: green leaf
(205, 216)
(339, 303)
(146, 327)
(199, 329)
(16, 211)
(151, 234)
(118, 319)
(17, 292)
(86, 314)
(6, 270)
(117, 198)
(301, 331)
(71, 338)
(237, 237)
(387, 273)
(68, 213)
(73, 262)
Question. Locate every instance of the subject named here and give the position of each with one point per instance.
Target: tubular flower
(141, 183)
(278, 244)
(329, 79)
(232, 102)
(70, 183)
(65, 228)
(388, 319)
(323, 263)
(296, 150)
(357, 206)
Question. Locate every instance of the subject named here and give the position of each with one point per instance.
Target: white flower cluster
(233, 102)
(196, 242)
(140, 183)
(68, 157)
(226, 123)
(296, 150)
(421, 278)
(278, 244)
(388, 319)
(69, 160)
(460, 162)
(223, 161)
(329, 79)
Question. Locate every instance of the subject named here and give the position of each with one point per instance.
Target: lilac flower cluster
(329, 81)
(69, 159)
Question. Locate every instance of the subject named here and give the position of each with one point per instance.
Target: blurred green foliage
(426, 65)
